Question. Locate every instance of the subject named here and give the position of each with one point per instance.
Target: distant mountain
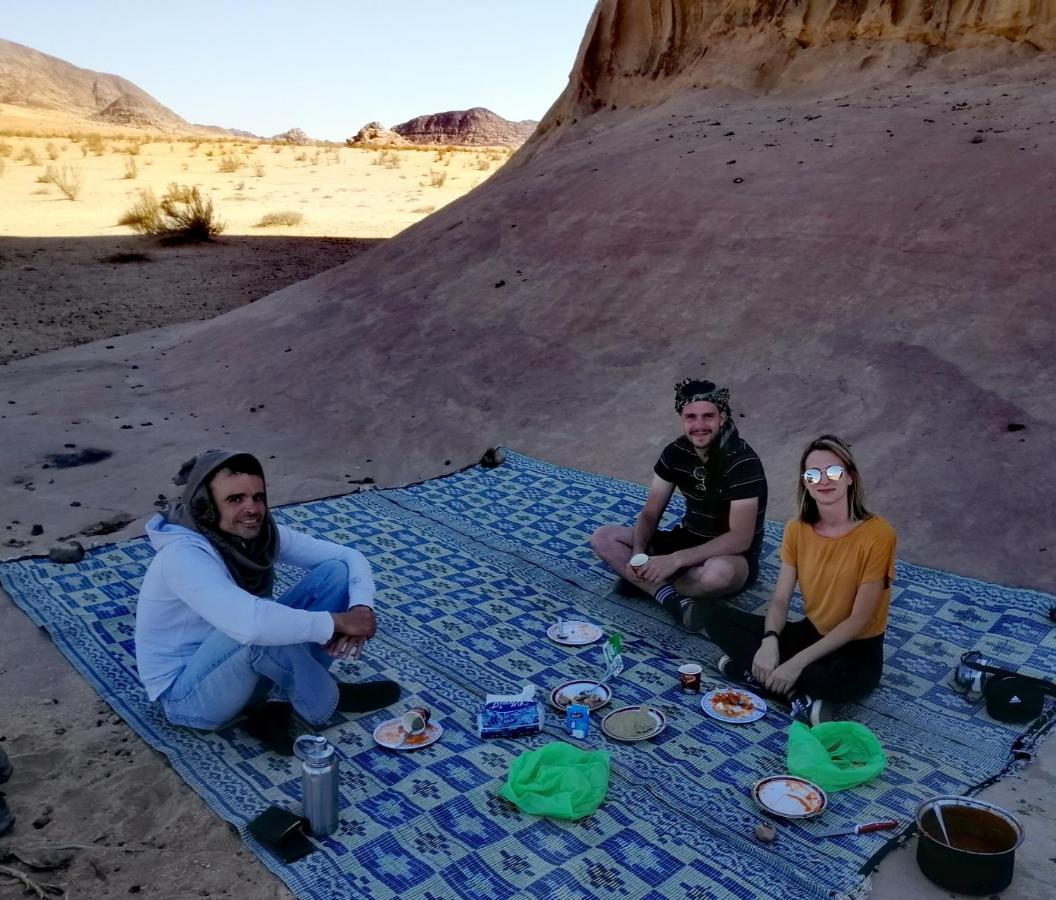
(474, 127)
(33, 79)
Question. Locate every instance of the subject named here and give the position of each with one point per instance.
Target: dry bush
(52, 151)
(286, 217)
(3, 165)
(300, 157)
(94, 143)
(143, 216)
(437, 177)
(229, 163)
(241, 186)
(276, 148)
(44, 179)
(5, 149)
(68, 179)
(258, 169)
(390, 159)
(131, 170)
(483, 163)
(182, 215)
(29, 156)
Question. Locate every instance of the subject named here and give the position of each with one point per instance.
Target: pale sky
(326, 66)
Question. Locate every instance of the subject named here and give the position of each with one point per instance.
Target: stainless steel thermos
(318, 783)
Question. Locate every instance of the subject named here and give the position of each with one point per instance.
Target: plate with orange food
(733, 705)
(790, 797)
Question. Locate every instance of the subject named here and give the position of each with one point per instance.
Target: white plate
(613, 718)
(750, 707)
(565, 695)
(790, 797)
(391, 734)
(576, 634)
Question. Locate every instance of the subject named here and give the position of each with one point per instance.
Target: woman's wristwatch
(773, 634)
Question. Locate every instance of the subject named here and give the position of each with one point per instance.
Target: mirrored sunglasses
(813, 476)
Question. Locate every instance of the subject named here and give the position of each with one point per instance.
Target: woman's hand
(784, 677)
(767, 658)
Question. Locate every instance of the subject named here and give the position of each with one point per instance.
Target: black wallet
(283, 833)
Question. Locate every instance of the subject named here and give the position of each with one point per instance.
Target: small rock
(36, 530)
(66, 552)
(501, 283)
(75, 503)
(1015, 426)
(976, 139)
(492, 457)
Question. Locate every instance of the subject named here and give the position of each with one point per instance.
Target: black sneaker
(729, 668)
(366, 695)
(809, 711)
(6, 819)
(686, 611)
(270, 724)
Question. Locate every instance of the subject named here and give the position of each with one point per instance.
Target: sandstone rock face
(34, 79)
(641, 51)
(374, 134)
(472, 127)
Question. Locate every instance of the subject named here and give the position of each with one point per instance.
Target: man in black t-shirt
(714, 552)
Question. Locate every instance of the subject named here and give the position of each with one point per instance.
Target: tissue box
(510, 715)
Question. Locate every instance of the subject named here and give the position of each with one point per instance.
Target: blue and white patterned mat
(472, 569)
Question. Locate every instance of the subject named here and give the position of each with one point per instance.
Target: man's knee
(331, 585)
(721, 575)
(606, 537)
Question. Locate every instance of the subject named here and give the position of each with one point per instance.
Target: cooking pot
(981, 853)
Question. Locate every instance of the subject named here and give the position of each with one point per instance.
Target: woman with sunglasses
(843, 558)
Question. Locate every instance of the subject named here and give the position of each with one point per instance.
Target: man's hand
(659, 568)
(352, 629)
(784, 677)
(766, 659)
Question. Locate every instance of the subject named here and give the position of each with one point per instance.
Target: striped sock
(665, 591)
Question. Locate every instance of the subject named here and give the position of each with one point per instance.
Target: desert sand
(855, 235)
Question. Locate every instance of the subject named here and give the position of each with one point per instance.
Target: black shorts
(680, 538)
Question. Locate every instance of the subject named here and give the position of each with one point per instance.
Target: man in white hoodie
(210, 641)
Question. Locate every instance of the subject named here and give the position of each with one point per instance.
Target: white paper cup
(639, 559)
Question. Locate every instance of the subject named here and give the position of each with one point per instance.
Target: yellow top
(830, 570)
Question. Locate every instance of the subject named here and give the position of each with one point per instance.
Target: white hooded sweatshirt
(188, 593)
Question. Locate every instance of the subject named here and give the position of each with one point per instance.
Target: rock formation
(293, 136)
(374, 134)
(472, 127)
(33, 79)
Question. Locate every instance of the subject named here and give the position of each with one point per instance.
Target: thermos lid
(314, 749)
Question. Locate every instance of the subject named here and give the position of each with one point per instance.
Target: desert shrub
(285, 217)
(52, 151)
(300, 157)
(29, 156)
(94, 143)
(483, 163)
(437, 177)
(276, 148)
(84, 151)
(241, 186)
(133, 149)
(3, 165)
(5, 149)
(143, 216)
(229, 163)
(315, 158)
(44, 179)
(131, 169)
(182, 215)
(390, 159)
(258, 169)
(68, 179)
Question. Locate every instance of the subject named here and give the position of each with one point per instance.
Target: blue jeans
(224, 676)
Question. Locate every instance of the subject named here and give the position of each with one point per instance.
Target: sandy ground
(69, 273)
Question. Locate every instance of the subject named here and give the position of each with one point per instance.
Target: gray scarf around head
(251, 563)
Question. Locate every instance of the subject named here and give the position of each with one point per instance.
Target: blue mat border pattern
(506, 548)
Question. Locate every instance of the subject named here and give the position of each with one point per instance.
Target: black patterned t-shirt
(709, 490)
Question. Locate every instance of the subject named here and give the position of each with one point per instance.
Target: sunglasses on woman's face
(813, 476)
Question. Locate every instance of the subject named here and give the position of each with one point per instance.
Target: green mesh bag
(834, 755)
(558, 780)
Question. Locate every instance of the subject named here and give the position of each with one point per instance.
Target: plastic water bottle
(318, 782)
